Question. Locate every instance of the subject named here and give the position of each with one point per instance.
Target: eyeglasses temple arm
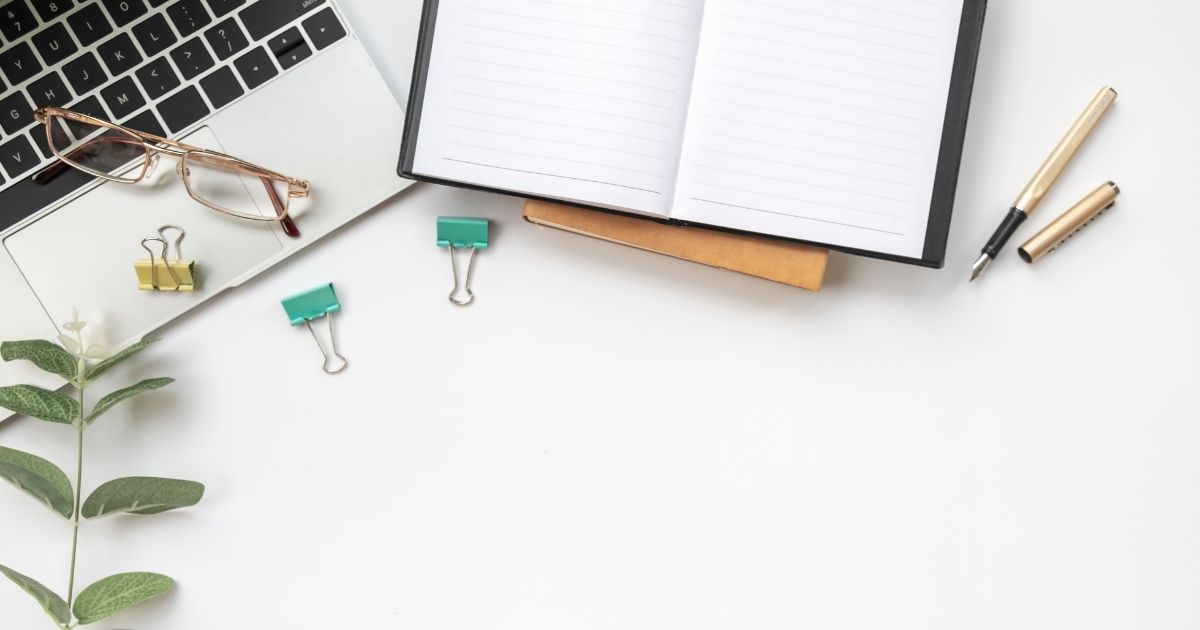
(286, 222)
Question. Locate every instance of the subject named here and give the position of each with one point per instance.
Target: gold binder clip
(163, 273)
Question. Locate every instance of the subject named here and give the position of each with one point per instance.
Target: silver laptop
(283, 84)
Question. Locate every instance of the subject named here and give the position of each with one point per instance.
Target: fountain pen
(1045, 178)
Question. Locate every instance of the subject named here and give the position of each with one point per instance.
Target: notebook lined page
(820, 119)
(573, 99)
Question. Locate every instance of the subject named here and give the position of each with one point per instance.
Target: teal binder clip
(303, 308)
(462, 232)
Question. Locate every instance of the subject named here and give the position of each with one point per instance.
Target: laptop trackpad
(82, 255)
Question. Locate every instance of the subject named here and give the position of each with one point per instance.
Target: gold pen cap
(1071, 221)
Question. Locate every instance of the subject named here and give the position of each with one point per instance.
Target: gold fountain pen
(1044, 180)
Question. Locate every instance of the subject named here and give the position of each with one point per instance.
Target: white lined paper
(571, 99)
(819, 120)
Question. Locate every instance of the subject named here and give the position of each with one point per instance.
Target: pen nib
(980, 266)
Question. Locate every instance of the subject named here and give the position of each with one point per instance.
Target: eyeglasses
(128, 156)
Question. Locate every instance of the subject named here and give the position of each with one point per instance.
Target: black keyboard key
(324, 28)
(50, 9)
(55, 44)
(222, 87)
(154, 34)
(294, 55)
(267, 16)
(15, 113)
(123, 98)
(119, 54)
(84, 73)
(221, 8)
(39, 139)
(16, 20)
(18, 156)
(189, 16)
(256, 67)
(49, 91)
(89, 24)
(183, 109)
(27, 197)
(192, 58)
(19, 63)
(226, 39)
(158, 78)
(285, 41)
(92, 107)
(124, 12)
(147, 122)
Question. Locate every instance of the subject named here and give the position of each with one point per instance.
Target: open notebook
(834, 122)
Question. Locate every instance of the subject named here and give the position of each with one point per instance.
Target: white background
(610, 439)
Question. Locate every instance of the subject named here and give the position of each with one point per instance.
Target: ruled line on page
(829, 51)
(534, 86)
(573, 75)
(723, 169)
(813, 31)
(555, 141)
(834, 18)
(816, 117)
(868, 7)
(807, 149)
(560, 107)
(544, 174)
(812, 134)
(797, 216)
(543, 54)
(553, 158)
(538, 18)
(833, 86)
(811, 202)
(813, 99)
(796, 62)
(575, 40)
(559, 125)
(585, 7)
(818, 169)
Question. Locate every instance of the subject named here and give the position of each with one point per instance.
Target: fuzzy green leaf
(40, 403)
(142, 495)
(100, 368)
(48, 356)
(111, 400)
(39, 478)
(119, 592)
(54, 605)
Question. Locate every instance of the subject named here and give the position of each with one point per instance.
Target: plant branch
(78, 497)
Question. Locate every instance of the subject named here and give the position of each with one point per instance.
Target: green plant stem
(78, 498)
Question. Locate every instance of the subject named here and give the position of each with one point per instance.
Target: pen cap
(1070, 222)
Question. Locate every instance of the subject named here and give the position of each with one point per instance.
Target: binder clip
(459, 232)
(161, 272)
(305, 307)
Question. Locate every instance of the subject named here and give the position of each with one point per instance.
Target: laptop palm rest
(82, 255)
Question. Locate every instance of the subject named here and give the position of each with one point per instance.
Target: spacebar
(267, 16)
(27, 197)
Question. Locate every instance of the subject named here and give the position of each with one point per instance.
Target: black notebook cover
(954, 131)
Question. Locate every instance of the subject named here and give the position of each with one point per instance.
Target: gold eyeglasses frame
(153, 145)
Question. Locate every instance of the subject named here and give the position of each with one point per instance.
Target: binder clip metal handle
(305, 307)
(460, 233)
(180, 271)
(467, 285)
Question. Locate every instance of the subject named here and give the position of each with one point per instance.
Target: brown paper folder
(792, 264)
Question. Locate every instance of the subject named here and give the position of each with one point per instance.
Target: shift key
(267, 16)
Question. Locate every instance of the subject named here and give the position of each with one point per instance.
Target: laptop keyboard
(159, 66)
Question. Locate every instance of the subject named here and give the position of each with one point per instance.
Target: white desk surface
(611, 439)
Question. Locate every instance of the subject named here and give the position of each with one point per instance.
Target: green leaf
(50, 601)
(100, 368)
(40, 403)
(142, 495)
(119, 592)
(111, 400)
(39, 478)
(48, 356)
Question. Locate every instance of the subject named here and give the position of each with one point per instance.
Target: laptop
(283, 84)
